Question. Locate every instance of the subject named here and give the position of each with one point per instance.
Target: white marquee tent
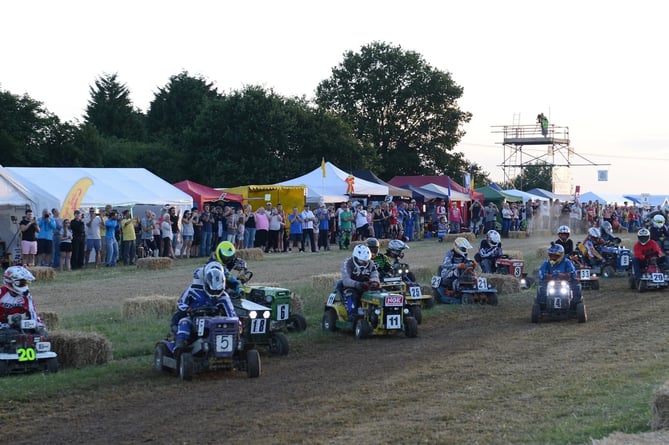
(120, 187)
(332, 186)
(15, 198)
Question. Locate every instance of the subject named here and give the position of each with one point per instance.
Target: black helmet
(373, 245)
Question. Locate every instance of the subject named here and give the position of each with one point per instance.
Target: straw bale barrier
(77, 349)
(383, 243)
(655, 438)
(255, 253)
(515, 254)
(50, 319)
(326, 280)
(468, 235)
(660, 409)
(296, 303)
(505, 284)
(158, 306)
(43, 273)
(154, 263)
(542, 253)
(516, 234)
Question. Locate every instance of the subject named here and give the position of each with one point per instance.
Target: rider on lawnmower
(567, 243)
(454, 262)
(15, 296)
(558, 267)
(658, 229)
(645, 249)
(358, 274)
(489, 250)
(592, 244)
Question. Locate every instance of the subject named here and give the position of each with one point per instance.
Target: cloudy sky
(597, 67)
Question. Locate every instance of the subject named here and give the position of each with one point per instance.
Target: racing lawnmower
(380, 313)
(25, 347)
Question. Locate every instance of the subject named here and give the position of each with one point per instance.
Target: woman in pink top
(262, 228)
(455, 217)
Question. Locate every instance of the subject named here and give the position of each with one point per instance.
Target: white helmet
(494, 238)
(214, 280)
(564, 229)
(16, 279)
(361, 255)
(461, 245)
(644, 236)
(658, 220)
(607, 227)
(594, 232)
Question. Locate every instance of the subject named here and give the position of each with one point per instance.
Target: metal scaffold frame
(557, 153)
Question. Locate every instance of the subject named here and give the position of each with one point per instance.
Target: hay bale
(515, 254)
(255, 253)
(50, 319)
(158, 306)
(77, 349)
(154, 263)
(660, 408)
(505, 284)
(467, 235)
(542, 253)
(296, 303)
(656, 438)
(43, 273)
(326, 280)
(517, 234)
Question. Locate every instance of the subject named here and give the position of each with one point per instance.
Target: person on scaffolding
(543, 121)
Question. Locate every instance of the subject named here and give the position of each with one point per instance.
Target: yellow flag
(75, 197)
(323, 166)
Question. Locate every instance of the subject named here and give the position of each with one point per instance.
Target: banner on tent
(602, 175)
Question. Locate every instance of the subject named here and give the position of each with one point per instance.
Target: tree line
(383, 108)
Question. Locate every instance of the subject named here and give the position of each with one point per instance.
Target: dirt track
(473, 372)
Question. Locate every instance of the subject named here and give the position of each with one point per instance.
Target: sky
(597, 67)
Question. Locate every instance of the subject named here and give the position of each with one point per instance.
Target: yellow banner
(75, 197)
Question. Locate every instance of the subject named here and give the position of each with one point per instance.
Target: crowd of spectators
(107, 237)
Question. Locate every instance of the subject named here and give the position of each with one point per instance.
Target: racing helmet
(594, 232)
(493, 237)
(607, 228)
(460, 246)
(555, 253)
(644, 236)
(214, 280)
(396, 248)
(225, 254)
(17, 278)
(373, 245)
(658, 221)
(563, 232)
(361, 255)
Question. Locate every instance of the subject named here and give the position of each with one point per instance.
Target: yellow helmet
(225, 254)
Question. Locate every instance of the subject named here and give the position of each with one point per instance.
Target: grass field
(474, 374)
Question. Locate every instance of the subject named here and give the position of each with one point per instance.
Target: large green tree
(30, 135)
(255, 136)
(538, 174)
(111, 110)
(177, 105)
(400, 104)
